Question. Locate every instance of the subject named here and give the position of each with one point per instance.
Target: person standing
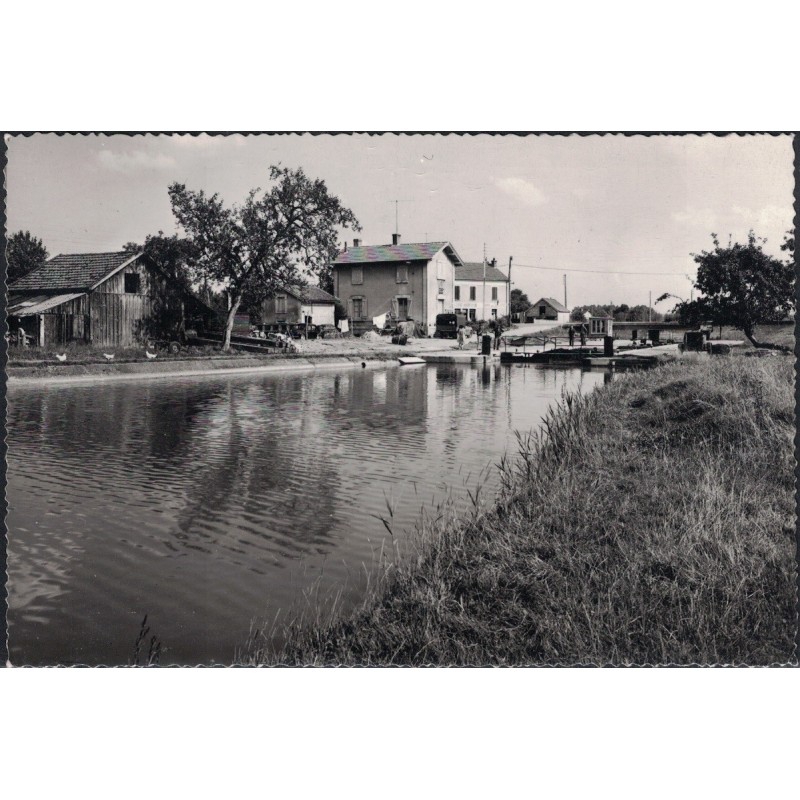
(497, 330)
(571, 335)
(460, 337)
(583, 336)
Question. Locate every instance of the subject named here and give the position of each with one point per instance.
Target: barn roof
(379, 254)
(473, 271)
(310, 294)
(551, 302)
(25, 305)
(73, 271)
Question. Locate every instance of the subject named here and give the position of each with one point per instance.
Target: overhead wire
(598, 271)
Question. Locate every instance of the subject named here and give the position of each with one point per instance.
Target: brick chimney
(395, 238)
(356, 242)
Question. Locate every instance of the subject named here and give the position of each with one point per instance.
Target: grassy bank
(649, 522)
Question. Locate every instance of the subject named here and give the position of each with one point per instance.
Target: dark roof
(551, 301)
(73, 271)
(310, 294)
(379, 254)
(473, 271)
(23, 305)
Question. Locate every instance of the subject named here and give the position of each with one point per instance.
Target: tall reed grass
(650, 522)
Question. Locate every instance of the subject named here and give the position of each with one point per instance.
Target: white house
(297, 304)
(481, 293)
(547, 308)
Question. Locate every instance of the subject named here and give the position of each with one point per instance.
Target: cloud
(767, 220)
(522, 190)
(136, 161)
(203, 141)
(705, 218)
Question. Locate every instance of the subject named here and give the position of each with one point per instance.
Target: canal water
(215, 504)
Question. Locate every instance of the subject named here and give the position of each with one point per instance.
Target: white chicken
(61, 357)
(150, 355)
(109, 356)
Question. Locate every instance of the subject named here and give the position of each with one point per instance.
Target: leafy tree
(788, 244)
(620, 312)
(576, 315)
(519, 301)
(643, 313)
(24, 253)
(742, 286)
(275, 238)
(171, 255)
(171, 258)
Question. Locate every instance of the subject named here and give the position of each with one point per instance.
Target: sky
(619, 216)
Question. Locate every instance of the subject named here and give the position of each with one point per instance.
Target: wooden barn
(103, 299)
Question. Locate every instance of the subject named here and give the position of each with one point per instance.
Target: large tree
(742, 286)
(277, 237)
(24, 253)
(172, 257)
(519, 301)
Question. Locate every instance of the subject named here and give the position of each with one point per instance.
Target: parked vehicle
(447, 325)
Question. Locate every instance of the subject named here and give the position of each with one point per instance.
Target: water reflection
(206, 502)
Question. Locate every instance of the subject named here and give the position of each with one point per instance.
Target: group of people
(582, 332)
(495, 327)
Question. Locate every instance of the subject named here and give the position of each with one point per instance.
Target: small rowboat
(406, 361)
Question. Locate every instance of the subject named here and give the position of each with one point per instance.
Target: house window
(280, 304)
(457, 293)
(357, 275)
(494, 294)
(542, 310)
(472, 293)
(472, 314)
(358, 307)
(494, 313)
(402, 274)
(132, 282)
(441, 287)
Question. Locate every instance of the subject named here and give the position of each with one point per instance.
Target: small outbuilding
(547, 308)
(297, 305)
(601, 326)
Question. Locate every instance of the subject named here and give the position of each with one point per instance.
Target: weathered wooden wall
(65, 328)
(118, 318)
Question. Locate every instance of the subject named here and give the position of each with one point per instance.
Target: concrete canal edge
(138, 370)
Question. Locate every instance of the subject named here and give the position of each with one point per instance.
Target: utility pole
(565, 290)
(650, 308)
(508, 297)
(483, 312)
